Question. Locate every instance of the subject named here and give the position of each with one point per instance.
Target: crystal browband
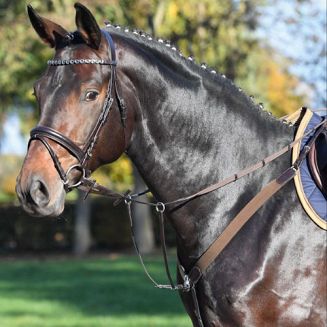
(80, 61)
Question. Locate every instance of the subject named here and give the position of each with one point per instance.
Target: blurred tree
(82, 232)
(9, 165)
(24, 63)
(22, 56)
(220, 33)
(297, 30)
(142, 221)
(223, 34)
(216, 32)
(269, 82)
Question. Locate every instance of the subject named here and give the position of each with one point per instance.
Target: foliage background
(274, 49)
(220, 33)
(235, 37)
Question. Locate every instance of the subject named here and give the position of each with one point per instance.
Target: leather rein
(191, 277)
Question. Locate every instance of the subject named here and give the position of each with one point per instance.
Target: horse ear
(87, 26)
(48, 31)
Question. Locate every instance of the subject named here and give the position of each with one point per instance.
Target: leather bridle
(45, 133)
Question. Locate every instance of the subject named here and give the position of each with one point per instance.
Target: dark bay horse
(184, 127)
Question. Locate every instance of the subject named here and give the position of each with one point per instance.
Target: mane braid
(159, 44)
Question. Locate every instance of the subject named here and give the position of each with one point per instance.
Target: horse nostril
(39, 193)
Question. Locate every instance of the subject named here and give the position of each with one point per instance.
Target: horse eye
(91, 95)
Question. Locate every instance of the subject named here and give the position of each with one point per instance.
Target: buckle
(186, 284)
(195, 274)
(160, 207)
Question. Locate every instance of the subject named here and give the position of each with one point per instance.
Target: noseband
(44, 133)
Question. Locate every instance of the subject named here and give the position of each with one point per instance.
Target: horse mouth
(43, 207)
(42, 212)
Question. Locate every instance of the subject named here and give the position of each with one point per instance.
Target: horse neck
(192, 130)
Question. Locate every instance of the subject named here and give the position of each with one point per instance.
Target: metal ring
(160, 207)
(186, 284)
(81, 169)
(128, 199)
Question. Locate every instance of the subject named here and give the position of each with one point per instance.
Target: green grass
(61, 292)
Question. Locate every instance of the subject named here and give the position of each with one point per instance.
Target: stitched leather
(48, 132)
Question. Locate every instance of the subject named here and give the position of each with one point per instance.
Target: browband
(64, 62)
(112, 62)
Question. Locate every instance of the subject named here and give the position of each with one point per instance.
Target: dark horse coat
(186, 128)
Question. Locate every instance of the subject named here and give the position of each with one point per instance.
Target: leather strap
(248, 211)
(164, 247)
(160, 209)
(47, 132)
(243, 216)
(53, 155)
(242, 173)
(196, 306)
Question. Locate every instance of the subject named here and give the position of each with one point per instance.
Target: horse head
(77, 96)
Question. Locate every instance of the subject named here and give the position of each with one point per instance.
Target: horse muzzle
(37, 197)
